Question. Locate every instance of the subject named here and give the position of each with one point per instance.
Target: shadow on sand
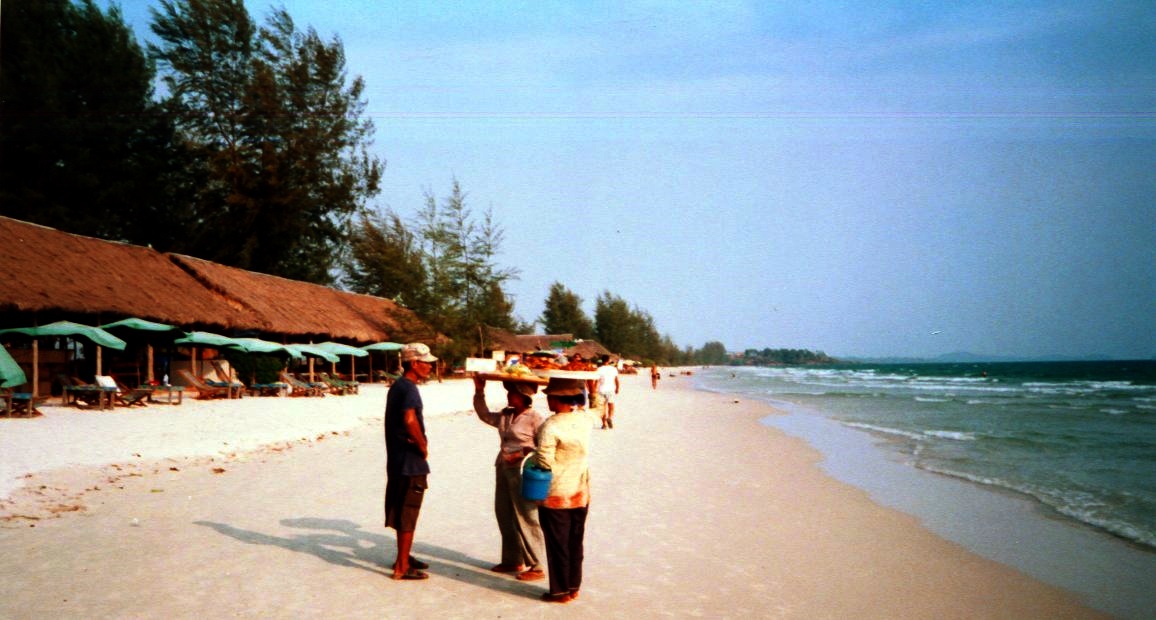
(343, 543)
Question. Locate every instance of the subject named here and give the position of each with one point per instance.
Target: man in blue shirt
(406, 454)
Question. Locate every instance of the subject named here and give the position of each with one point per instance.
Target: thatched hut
(49, 275)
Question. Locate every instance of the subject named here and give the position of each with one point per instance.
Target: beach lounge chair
(77, 392)
(130, 397)
(204, 390)
(385, 377)
(225, 379)
(352, 385)
(267, 389)
(21, 404)
(298, 387)
(335, 385)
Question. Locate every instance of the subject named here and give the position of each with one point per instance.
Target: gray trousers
(522, 539)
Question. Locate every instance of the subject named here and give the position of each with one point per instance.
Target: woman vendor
(562, 447)
(523, 547)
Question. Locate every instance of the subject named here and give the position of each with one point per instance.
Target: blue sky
(867, 179)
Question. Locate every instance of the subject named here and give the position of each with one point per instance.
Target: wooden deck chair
(225, 379)
(79, 393)
(204, 390)
(130, 397)
(21, 404)
(298, 387)
(335, 386)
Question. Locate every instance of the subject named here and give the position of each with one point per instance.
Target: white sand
(698, 510)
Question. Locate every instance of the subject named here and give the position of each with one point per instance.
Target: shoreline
(999, 524)
(280, 532)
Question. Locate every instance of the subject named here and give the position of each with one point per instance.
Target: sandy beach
(271, 508)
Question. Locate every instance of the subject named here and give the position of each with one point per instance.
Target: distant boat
(937, 332)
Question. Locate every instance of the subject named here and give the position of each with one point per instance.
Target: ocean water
(1077, 437)
(1048, 467)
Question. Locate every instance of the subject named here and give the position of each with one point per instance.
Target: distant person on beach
(407, 451)
(608, 387)
(654, 376)
(523, 544)
(563, 445)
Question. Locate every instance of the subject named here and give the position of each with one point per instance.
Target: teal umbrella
(151, 330)
(67, 329)
(139, 325)
(11, 375)
(256, 345)
(385, 347)
(207, 339)
(311, 350)
(344, 349)
(96, 335)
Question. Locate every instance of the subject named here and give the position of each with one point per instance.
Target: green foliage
(443, 266)
(776, 357)
(713, 353)
(85, 148)
(278, 130)
(563, 314)
(384, 260)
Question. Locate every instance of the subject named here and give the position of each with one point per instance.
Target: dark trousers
(565, 530)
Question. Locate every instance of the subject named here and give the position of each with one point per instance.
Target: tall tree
(713, 353)
(384, 260)
(279, 131)
(443, 266)
(563, 313)
(85, 148)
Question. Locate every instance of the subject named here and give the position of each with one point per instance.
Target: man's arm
(415, 434)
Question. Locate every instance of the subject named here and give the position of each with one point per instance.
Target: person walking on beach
(654, 376)
(407, 454)
(563, 445)
(523, 545)
(608, 387)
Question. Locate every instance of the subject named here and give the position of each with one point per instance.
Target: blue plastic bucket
(535, 482)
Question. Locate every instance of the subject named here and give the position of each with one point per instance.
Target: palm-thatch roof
(498, 339)
(55, 275)
(301, 309)
(60, 275)
(588, 349)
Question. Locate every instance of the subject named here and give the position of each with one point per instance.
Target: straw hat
(521, 387)
(563, 387)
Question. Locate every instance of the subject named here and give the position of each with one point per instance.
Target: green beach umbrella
(139, 325)
(11, 375)
(151, 330)
(385, 347)
(311, 350)
(344, 349)
(207, 339)
(68, 329)
(257, 345)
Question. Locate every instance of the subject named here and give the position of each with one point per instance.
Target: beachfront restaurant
(52, 276)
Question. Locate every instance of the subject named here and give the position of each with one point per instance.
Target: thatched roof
(505, 340)
(61, 275)
(588, 349)
(302, 309)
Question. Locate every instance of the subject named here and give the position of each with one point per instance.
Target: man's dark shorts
(403, 496)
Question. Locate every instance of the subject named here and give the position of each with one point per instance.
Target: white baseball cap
(416, 352)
